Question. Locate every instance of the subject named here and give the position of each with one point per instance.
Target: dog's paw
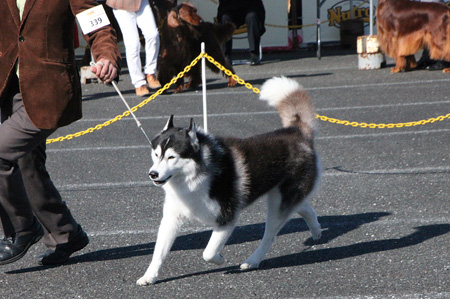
(178, 89)
(231, 82)
(144, 281)
(397, 70)
(247, 266)
(316, 235)
(218, 259)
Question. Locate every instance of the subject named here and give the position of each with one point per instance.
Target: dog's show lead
(128, 106)
(129, 109)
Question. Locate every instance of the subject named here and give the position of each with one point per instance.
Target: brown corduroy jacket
(42, 43)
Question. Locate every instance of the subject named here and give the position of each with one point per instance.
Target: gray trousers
(26, 190)
(253, 31)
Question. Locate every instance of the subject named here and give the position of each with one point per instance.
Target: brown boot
(153, 82)
(142, 91)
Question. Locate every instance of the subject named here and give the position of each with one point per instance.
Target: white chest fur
(192, 203)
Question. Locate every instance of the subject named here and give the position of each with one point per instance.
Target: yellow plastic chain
(382, 126)
(249, 86)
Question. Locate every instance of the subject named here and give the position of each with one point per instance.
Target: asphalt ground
(383, 202)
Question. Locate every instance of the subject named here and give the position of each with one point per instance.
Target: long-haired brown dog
(405, 27)
(181, 35)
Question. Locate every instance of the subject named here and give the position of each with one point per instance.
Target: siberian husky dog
(211, 179)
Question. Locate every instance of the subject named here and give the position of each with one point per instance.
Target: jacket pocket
(59, 39)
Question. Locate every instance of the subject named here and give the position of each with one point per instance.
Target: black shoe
(425, 60)
(63, 251)
(438, 66)
(423, 64)
(254, 60)
(14, 248)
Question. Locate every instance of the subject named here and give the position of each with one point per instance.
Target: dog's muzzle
(154, 176)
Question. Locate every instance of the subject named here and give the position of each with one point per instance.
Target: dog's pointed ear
(169, 123)
(172, 19)
(192, 126)
(192, 133)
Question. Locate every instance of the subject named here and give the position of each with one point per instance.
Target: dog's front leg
(276, 218)
(400, 64)
(220, 235)
(167, 232)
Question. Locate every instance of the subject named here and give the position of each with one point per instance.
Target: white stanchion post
(371, 17)
(205, 113)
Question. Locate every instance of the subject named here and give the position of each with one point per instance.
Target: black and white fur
(212, 179)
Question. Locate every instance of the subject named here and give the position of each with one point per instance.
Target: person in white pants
(131, 14)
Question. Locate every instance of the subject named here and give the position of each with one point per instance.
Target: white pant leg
(147, 24)
(128, 25)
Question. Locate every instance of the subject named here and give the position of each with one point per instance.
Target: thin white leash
(126, 104)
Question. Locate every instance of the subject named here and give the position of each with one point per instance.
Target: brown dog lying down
(181, 35)
(405, 27)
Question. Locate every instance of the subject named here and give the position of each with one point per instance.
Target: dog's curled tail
(292, 102)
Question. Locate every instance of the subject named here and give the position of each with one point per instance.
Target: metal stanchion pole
(205, 112)
(371, 17)
(318, 30)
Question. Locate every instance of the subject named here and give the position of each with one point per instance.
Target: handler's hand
(104, 70)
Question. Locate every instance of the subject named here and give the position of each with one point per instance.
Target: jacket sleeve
(103, 41)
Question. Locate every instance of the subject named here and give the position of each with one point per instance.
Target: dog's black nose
(153, 175)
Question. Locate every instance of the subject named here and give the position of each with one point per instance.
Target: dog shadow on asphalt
(332, 226)
(422, 234)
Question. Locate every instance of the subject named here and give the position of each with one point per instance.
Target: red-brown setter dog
(405, 27)
(181, 34)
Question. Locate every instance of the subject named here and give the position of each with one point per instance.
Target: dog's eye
(171, 157)
(156, 155)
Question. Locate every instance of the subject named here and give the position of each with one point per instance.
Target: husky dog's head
(175, 152)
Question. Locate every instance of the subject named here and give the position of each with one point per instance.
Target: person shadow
(332, 226)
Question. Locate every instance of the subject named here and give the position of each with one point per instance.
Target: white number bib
(92, 19)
